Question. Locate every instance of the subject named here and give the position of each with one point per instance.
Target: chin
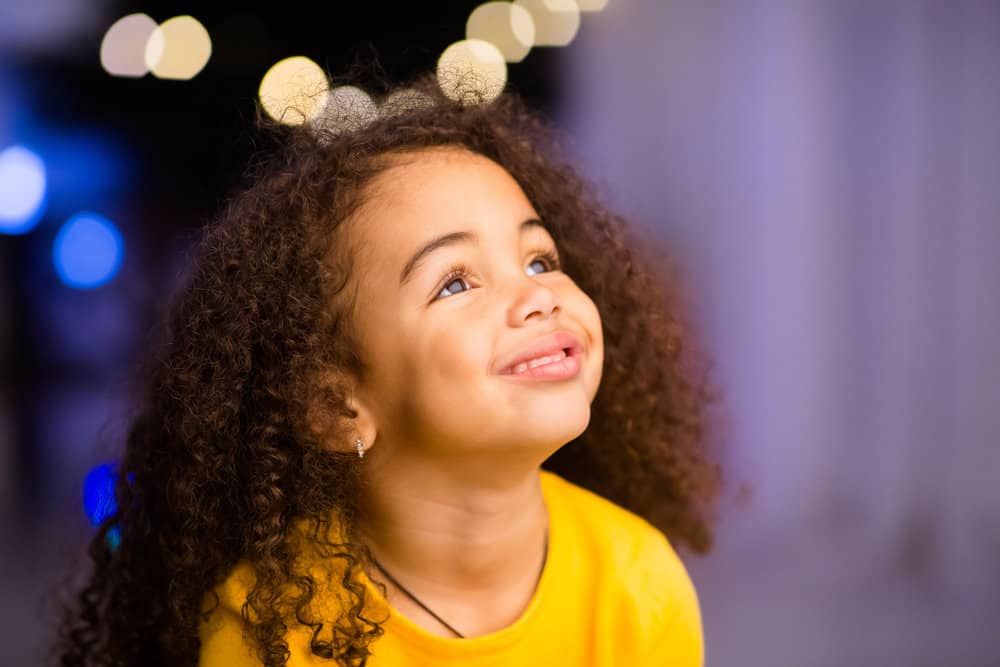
(560, 428)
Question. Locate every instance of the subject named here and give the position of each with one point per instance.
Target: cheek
(459, 354)
(446, 360)
(448, 394)
(598, 330)
(595, 343)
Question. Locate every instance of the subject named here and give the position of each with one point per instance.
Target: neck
(455, 539)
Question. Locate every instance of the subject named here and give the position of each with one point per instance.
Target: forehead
(431, 192)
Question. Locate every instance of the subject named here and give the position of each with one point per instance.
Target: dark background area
(166, 153)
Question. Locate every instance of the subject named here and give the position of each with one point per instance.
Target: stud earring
(361, 448)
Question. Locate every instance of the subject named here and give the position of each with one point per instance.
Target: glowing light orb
(556, 21)
(347, 108)
(507, 26)
(22, 190)
(99, 499)
(123, 49)
(99, 493)
(179, 48)
(88, 251)
(294, 90)
(472, 71)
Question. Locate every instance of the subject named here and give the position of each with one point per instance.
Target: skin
(453, 506)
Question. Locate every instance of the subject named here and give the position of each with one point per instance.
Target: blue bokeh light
(22, 190)
(99, 493)
(88, 251)
(113, 538)
(99, 499)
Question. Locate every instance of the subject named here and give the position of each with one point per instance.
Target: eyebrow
(452, 238)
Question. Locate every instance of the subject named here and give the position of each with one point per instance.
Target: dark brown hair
(229, 449)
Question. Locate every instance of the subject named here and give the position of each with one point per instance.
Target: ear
(365, 423)
(329, 415)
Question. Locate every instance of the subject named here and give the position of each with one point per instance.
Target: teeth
(522, 367)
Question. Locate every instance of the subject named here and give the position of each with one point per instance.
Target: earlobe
(364, 425)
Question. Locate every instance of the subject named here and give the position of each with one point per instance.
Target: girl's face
(436, 339)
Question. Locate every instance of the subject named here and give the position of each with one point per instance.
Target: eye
(549, 258)
(458, 274)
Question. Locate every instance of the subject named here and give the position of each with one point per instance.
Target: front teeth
(520, 368)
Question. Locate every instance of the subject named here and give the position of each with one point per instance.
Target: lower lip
(557, 370)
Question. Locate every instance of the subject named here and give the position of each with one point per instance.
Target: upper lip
(551, 343)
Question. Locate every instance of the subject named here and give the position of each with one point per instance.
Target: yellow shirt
(612, 593)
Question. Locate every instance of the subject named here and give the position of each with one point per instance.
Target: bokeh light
(88, 251)
(123, 49)
(294, 90)
(22, 190)
(99, 493)
(347, 108)
(591, 5)
(472, 70)
(178, 49)
(556, 21)
(508, 26)
(99, 499)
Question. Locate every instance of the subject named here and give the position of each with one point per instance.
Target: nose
(532, 300)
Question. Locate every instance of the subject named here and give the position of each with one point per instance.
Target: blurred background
(827, 173)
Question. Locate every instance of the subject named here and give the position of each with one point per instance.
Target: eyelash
(463, 271)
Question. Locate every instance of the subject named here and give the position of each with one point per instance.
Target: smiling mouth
(538, 361)
(557, 347)
(562, 365)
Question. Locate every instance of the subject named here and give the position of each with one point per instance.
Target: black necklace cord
(400, 586)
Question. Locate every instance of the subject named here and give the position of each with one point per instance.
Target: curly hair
(229, 454)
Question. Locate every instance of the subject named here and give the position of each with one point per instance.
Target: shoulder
(657, 593)
(632, 540)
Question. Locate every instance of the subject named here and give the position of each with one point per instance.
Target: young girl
(424, 401)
